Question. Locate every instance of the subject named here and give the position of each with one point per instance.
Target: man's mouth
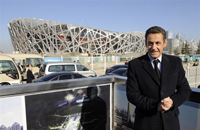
(154, 51)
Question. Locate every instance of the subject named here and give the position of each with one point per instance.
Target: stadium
(30, 35)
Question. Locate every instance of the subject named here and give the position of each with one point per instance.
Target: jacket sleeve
(183, 90)
(134, 95)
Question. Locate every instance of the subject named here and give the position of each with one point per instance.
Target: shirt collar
(151, 59)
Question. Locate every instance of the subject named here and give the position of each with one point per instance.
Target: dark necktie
(156, 68)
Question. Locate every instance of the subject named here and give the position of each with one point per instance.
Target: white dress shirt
(159, 63)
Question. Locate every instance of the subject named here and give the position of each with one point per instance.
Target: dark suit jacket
(145, 91)
(30, 76)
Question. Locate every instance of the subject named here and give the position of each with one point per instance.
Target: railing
(77, 104)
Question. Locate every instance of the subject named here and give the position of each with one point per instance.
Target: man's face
(155, 44)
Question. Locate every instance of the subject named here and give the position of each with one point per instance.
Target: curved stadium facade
(30, 35)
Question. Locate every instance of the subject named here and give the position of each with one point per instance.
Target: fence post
(92, 63)
(198, 61)
(104, 63)
(188, 73)
(77, 58)
(61, 58)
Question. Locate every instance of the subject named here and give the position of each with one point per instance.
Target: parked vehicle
(119, 72)
(52, 67)
(9, 73)
(25, 59)
(111, 69)
(59, 76)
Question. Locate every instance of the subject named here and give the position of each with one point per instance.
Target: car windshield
(8, 68)
(36, 62)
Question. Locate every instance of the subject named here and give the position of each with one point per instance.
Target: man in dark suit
(156, 89)
(30, 75)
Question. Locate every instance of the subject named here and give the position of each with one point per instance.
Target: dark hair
(155, 29)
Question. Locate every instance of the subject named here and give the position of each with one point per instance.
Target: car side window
(55, 68)
(81, 68)
(64, 77)
(77, 76)
(69, 68)
(54, 79)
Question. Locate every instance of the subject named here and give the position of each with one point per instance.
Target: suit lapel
(148, 67)
(164, 68)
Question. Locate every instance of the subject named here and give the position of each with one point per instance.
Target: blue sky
(178, 16)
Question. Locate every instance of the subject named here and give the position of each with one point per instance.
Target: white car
(51, 67)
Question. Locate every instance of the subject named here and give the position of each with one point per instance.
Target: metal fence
(91, 59)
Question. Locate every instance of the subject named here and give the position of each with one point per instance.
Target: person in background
(156, 85)
(88, 53)
(126, 62)
(195, 64)
(19, 67)
(30, 75)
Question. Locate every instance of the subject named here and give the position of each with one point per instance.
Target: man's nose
(153, 46)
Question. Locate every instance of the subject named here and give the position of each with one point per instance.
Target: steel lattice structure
(30, 35)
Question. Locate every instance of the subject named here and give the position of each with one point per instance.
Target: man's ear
(165, 43)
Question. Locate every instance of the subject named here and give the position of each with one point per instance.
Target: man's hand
(166, 103)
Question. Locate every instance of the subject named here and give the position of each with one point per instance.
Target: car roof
(49, 76)
(117, 66)
(120, 69)
(60, 62)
